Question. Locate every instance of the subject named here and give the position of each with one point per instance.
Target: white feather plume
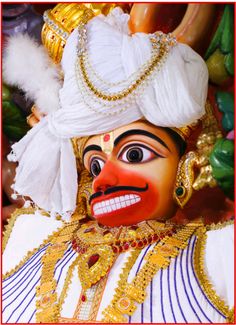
(27, 65)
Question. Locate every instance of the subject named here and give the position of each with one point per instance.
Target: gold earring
(185, 179)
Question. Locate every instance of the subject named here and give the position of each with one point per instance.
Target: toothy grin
(116, 203)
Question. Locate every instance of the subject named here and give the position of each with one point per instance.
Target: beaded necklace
(99, 246)
(97, 93)
(49, 306)
(127, 295)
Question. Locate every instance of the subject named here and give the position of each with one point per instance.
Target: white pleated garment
(175, 294)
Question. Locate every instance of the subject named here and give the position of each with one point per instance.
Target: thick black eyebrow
(91, 148)
(141, 132)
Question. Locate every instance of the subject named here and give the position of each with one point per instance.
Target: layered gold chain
(127, 295)
(161, 44)
(91, 85)
(98, 246)
(124, 93)
(48, 304)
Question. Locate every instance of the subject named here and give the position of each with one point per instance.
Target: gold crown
(63, 19)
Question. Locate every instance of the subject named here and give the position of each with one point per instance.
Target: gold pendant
(94, 264)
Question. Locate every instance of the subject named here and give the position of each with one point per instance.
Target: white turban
(174, 98)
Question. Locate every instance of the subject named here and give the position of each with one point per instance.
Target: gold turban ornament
(63, 19)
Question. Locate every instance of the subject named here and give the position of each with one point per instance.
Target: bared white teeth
(116, 203)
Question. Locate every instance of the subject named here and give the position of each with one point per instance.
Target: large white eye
(96, 166)
(135, 154)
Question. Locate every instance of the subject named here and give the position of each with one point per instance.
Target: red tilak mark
(106, 137)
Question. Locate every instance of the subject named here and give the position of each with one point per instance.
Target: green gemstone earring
(180, 191)
(184, 179)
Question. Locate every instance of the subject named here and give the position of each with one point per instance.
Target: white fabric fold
(174, 98)
(47, 170)
(178, 94)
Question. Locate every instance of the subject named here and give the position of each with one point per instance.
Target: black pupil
(95, 168)
(134, 155)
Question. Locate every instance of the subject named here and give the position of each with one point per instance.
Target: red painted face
(134, 181)
(127, 198)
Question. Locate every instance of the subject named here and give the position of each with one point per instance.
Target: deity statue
(114, 229)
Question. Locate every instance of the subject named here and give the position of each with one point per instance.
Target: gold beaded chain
(124, 93)
(128, 294)
(161, 45)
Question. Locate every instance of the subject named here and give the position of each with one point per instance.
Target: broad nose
(108, 177)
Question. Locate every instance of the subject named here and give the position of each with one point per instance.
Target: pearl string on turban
(174, 98)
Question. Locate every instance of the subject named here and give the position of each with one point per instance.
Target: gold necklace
(127, 295)
(99, 246)
(96, 242)
(161, 44)
(106, 102)
(120, 238)
(49, 306)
